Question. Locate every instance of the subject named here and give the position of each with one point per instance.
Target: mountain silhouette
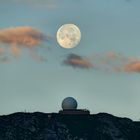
(55, 126)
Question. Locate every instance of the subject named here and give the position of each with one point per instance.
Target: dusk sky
(102, 72)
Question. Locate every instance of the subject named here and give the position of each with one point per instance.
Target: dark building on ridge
(69, 106)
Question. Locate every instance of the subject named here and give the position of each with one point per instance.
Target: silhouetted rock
(42, 126)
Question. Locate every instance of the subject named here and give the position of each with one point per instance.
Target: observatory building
(69, 106)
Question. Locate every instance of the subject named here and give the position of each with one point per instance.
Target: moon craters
(68, 36)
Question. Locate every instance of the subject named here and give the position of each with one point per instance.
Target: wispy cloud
(117, 62)
(109, 62)
(77, 61)
(132, 67)
(124, 63)
(22, 36)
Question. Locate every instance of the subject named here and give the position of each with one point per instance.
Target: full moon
(68, 36)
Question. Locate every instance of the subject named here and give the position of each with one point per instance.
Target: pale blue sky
(106, 25)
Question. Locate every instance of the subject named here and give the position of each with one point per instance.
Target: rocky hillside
(41, 126)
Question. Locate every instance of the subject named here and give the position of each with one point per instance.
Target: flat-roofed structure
(74, 111)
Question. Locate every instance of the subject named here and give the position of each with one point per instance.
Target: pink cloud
(21, 36)
(77, 61)
(132, 67)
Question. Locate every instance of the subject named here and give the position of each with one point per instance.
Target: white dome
(69, 103)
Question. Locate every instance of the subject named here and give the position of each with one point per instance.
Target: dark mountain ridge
(55, 126)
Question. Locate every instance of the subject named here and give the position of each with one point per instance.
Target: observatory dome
(69, 103)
